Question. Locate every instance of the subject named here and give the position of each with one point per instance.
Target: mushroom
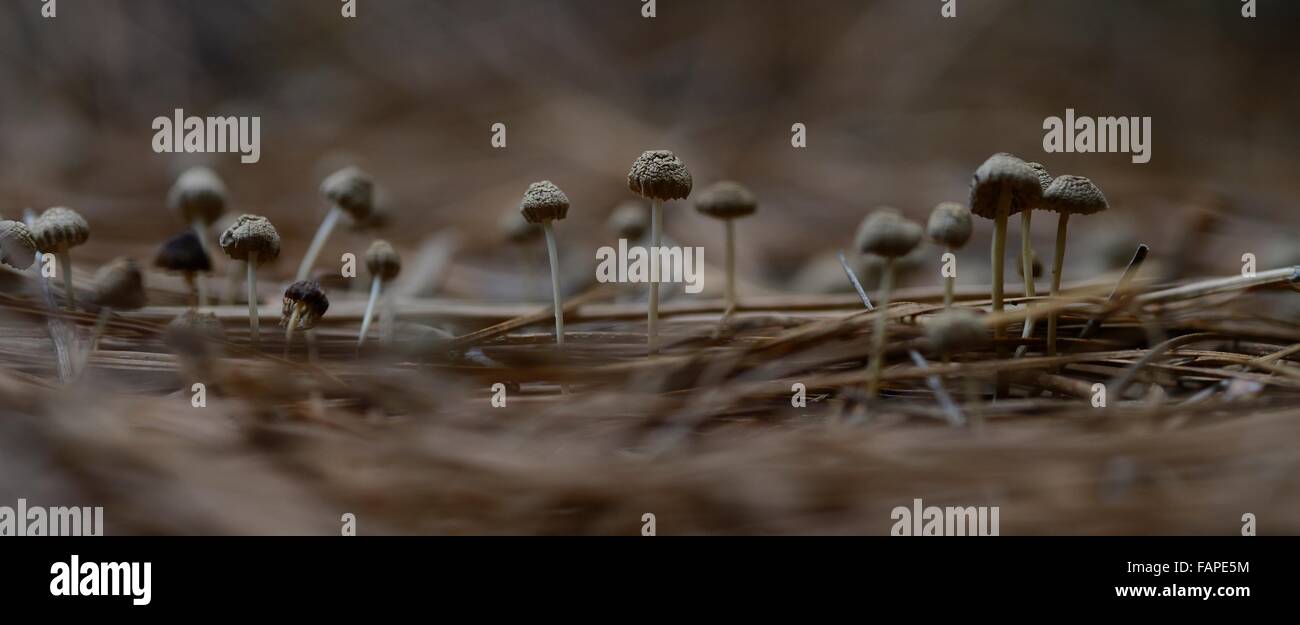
(950, 226)
(629, 221)
(192, 332)
(1027, 254)
(384, 265)
(956, 330)
(543, 204)
(1067, 195)
(17, 247)
(118, 285)
(1002, 186)
(659, 176)
(251, 239)
(348, 190)
(199, 197)
(185, 253)
(887, 234)
(304, 304)
(57, 231)
(728, 201)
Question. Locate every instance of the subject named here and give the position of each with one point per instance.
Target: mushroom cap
(950, 225)
(251, 233)
(120, 285)
(17, 247)
(1074, 194)
(352, 190)
(184, 253)
(191, 331)
(1001, 172)
(886, 233)
(543, 202)
(515, 228)
(630, 220)
(1044, 178)
(956, 330)
(308, 294)
(1033, 258)
(726, 200)
(382, 260)
(659, 175)
(59, 229)
(198, 195)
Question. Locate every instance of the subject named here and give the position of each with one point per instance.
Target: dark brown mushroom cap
(1004, 172)
(1033, 258)
(184, 253)
(630, 220)
(198, 195)
(120, 285)
(251, 233)
(382, 260)
(515, 228)
(659, 175)
(308, 295)
(17, 247)
(1044, 178)
(726, 200)
(192, 331)
(59, 229)
(886, 233)
(1075, 195)
(956, 330)
(543, 202)
(351, 190)
(950, 225)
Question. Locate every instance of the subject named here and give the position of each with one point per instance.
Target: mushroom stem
(999, 251)
(201, 280)
(1058, 262)
(65, 265)
(731, 264)
(288, 331)
(101, 323)
(254, 330)
(656, 239)
(375, 286)
(878, 331)
(549, 227)
(318, 242)
(1027, 268)
(949, 283)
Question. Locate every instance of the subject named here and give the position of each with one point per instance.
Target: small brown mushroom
(384, 264)
(544, 203)
(253, 240)
(348, 190)
(199, 197)
(17, 247)
(950, 226)
(186, 254)
(728, 201)
(956, 330)
(304, 304)
(57, 231)
(118, 285)
(1067, 195)
(659, 176)
(887, 234)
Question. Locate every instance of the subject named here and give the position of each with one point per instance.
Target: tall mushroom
(1067, 195)
(57, 231)
(887, 234)
(1003, 186)
(186, 254)
(304, 304)
(544, 203)
(199, 197)
(17, 247)
(253, 240)
(950, 226)
(119, 285)
(659, 176)
(384, 265)
(348, 190)
(728, 201)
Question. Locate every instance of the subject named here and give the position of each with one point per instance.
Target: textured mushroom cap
(382, 260)
(630, 220)
(17, 247)
(1074, 194)
(950, 225)
(1033, 258)
(956, 330)
(1004, 172)
(59, 229)
(309, 295)
(726, 200)
(198, 195)
(251, 233)
(886, 233)
(659, 175)
(1044, 178)
(191, 331)
(543, 202)
(183, 252)
(515, 228)
(120, 284)
(351, 190)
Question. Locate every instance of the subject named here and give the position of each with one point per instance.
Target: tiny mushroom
(252, 239)
(887, 234)
(186, 254)
(119, 285)
(192, 332)
(728, 201)
(304, 304)
(950, 226)
(1002, 186)
(384, 264)
(659, 176)
(544, 203)
(199, 197)
(348, 190)
(57, 231)
(956, 330)
(17, 247)
(1067, 195)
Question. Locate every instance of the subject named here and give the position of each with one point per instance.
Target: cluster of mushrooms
(1002, 186)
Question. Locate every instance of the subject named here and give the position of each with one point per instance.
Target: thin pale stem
(949, 285)
(288, 331)
(65, 265)
(554, 256)
(652, 314)
(1058, 262)
(999, 252)
(375, 285)
(101, 323)
(254, 330)
(731, 264)
(318, 242)
(1026, 268)
(201, 283)
(878, 332)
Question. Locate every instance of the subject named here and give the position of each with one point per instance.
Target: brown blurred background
(900, 104)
